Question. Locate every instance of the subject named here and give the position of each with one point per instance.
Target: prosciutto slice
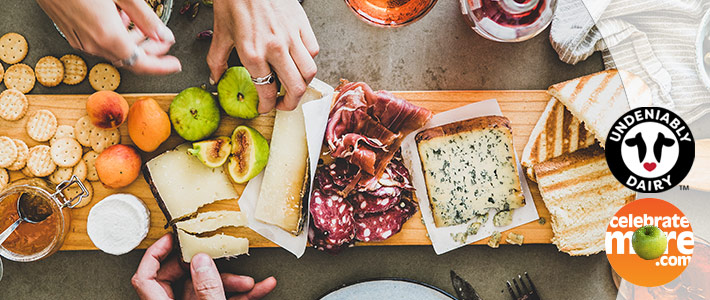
(366, 128)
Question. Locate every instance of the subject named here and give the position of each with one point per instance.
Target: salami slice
(381, 226)
(375, 201)
(332, 215)
(320, 242)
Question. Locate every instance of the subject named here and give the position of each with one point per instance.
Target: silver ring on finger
(131, 60)
(268, 79)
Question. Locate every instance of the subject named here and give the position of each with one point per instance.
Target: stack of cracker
(50, 71)
(565, 156)
(60, 151)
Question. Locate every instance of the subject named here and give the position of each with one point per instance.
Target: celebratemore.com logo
(650, 149)
(649, 242)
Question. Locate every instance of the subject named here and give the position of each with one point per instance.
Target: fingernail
(201, 263)
(211, 81)
(166, 35)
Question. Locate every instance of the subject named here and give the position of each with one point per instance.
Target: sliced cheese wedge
(285, 179)
(181, 183)
(213, 220)
(216, 246)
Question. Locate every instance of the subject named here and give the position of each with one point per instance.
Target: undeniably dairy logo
(649, 242)
(650, 149)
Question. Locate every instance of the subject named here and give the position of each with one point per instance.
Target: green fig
(213, 152)
(194, 114)
(250, 152)
(237, 94)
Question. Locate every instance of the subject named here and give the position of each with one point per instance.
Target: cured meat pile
(365, 193)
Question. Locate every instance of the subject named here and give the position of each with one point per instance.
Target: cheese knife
(463, 289)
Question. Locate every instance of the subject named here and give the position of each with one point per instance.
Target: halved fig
(250, 152)
(213, 152)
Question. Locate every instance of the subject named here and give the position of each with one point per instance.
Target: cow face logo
(650, 149)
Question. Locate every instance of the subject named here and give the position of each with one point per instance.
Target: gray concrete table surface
(438, 52)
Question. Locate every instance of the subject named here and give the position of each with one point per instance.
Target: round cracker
(90, 161)
(80, 170)
(63, 131)
(74, 190)
(23, 152)
(40, 162)
(49, 71)
(41, 125)
(20, 77)
(74, 69)
(4, 179)
(8, 152)
(104, 138)
(82, 131)
(13, 48)
(13, 105)
(2, 72)
(104, 77)
(66, 152)
(60, 174)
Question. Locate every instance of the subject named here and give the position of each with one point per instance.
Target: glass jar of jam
(30, 242)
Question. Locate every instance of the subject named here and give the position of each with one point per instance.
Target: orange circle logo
(649, 242)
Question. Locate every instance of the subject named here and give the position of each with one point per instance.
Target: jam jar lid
(31, 242)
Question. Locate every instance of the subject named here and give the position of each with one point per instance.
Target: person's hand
(99, 28)
(159, 270)
(269, 36)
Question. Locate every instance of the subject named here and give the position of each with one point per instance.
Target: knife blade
(463, 289)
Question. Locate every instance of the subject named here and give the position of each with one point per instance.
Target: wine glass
(390, 13)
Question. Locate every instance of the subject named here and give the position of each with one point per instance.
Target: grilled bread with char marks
(557, 132)
(582, 195)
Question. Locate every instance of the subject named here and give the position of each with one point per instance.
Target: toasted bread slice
(582, 195)
(599, 99)
(557, 132)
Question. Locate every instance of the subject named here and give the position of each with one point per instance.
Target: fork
(526, 293)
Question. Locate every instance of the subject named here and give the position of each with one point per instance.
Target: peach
(148, 124)
(118, 166)
(107, 109)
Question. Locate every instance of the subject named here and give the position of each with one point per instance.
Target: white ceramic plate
(388, 288)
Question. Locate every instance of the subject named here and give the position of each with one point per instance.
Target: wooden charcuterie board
(523, 108)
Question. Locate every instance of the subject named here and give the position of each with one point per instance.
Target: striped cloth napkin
(654, 39)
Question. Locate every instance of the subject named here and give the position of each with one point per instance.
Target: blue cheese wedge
(469, 167)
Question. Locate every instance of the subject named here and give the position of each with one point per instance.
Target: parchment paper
(316, 117)
(441, 237)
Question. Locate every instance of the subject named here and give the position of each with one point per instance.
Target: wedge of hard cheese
(216, 246)
(212, 221)
(181, 183)
(285, 182)
(599, 99)
(557, 132)
(582, 196)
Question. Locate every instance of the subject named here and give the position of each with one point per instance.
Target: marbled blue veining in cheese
(470, 172)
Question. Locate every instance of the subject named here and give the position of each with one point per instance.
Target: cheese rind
(212, 221)
(181, 183)
(469, 168)
(285, 177)
(216, 246)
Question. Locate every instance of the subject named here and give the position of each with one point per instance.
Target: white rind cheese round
(118, 223)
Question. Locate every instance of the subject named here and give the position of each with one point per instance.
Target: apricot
(118, 166)
(148, 124)
(107, 109)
